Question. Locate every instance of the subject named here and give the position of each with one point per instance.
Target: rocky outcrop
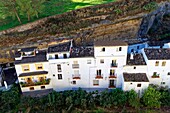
(118, 20)
(156, 25)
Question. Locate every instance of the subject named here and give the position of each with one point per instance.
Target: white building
(136, 81)
(106, 65)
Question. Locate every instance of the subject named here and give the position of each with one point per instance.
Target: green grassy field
(53, 7)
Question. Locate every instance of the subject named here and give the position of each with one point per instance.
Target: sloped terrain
(117, 20)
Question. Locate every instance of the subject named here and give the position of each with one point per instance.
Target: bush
(150, 6)
(132, 99)
(151, 97)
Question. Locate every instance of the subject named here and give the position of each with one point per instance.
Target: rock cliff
(117, 20)
(156, 25)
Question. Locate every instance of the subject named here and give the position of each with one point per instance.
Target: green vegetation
(151, 98)
(23, 11)
(150, 6)
(80, 101)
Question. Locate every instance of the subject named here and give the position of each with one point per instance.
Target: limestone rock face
(156, 25)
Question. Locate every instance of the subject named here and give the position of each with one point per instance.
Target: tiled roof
(134, 41)
(33, 73)
(39, 57)
(135, 77)
(109, 42)
(157, 54)
(137, 60)
(28, 49)
(64, 47)
(82, 52)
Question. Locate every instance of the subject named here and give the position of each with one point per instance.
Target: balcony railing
(99, 76)
(111, 86)
(112, 76)
(76, 76)
(155, 76)
(113, 65)
(75, 65)
(37, 83)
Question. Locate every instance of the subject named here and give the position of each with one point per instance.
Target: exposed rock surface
(118, 20)
(156, 25)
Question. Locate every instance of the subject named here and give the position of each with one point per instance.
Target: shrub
(151, 97)
(150, 6)
(132, 99)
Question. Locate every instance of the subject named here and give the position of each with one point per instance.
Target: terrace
(157, 54)
(40, 56)
(82, 52)
(35, 83)
(137, 60)
(63, 47)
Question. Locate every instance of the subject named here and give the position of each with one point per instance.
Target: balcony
(155, 76)
(75, 66)
(76, 76)
(99, 77)
(37, 83)
(112, 86)
(113, 65)
(112, 76)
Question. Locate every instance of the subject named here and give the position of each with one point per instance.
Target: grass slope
(52, 7)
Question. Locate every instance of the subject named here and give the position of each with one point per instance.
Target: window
(75, 64)
(22, 78)
(88, 61)
(137, 47)
(120, 48)
(65, 55)
(157, 63)
(103, 49)
(59, 76)
(162, 83)
(99, 72)
(168, 73)
(74, 82)
(56, 56)
(50, 57)
(39, 66)
(102, 61)
(31, 88)
(113, 64)
(138, 85)
(112, 72)
(134, 67)
(25, 68)
(163, 63)
(59, 67)
(132, 50)
(42, 87)
(154, 73)
(95, 82)
(131, 83)
(53, 75)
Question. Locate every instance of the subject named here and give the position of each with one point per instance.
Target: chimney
(131, 56)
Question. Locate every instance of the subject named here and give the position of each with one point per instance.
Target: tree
(30, 8)
(9, 9)
(151, 97)
(25, 8)
(37, 6)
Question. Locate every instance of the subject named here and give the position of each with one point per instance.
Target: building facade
(106, 65)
